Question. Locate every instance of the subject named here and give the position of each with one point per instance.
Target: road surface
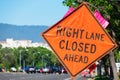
(24, 76)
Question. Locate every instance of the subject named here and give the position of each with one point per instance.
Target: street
(24, 76)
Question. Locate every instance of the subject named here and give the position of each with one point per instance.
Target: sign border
(58, 57)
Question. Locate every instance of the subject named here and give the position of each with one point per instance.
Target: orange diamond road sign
(78, 40)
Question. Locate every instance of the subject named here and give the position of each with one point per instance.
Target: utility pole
(20, 59)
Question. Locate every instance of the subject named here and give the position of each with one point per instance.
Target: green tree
(29, 56)
(1, 65)
(55, 60)
(8, 58)
(0, 46)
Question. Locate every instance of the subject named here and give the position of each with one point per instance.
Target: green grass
(104, 77)
(101, 78)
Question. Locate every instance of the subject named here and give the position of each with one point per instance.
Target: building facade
(22, 43)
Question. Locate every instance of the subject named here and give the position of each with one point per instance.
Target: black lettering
(63, 33)
(66, 57)
(92, 36)
(86, 48)
(71, 57)
(87, 35)
(68, 32)
(85, 59)
(80, 49)
(67, 45)
(75, 33)
(61, 46)
(74, 46)
(97, 36)
(81, 33)
(77, 46)
(59, 31)
(81, 59)
(76, 58)
(93, 48)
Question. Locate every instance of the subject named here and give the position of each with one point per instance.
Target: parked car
(63, 70)
(13, 69)
(59, 70)
(56, 70)
(29, 69)
(0, 69)
(39, 70)
(32, 70)
(46, 70)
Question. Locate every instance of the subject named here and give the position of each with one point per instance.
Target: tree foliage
(30, 56)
